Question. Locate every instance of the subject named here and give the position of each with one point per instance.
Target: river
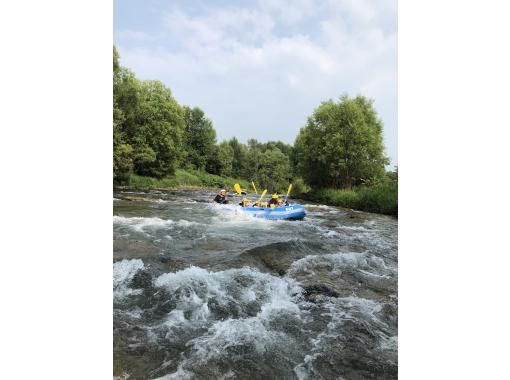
(202, 292)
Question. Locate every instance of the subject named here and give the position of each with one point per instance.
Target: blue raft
(292, 212)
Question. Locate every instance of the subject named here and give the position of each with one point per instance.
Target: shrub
(381, 198)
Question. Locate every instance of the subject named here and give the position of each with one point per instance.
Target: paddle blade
(290, 188)
(237, 188)
(254, 188)
(263, 193)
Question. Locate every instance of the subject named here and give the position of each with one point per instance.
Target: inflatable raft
(292, 212)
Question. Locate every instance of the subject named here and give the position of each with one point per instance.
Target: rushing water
(203, 292)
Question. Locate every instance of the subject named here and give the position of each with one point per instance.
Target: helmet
(274, 196)
(223, 191)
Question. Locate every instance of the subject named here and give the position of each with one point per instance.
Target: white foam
(364, 262)
(145, 225)
(229, 216)
(341, 310)
(389, 343)
(180, 374)
(124, 270)
(123, 273)
(139, 223)
(193, 289)
(233, 332)
(123, 376)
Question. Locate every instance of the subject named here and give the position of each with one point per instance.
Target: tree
(199, 138)
(271, 169)
(122, 156)
(341, 145)
(240, 167)
(158, 134)
(225, 159)
(125, 99)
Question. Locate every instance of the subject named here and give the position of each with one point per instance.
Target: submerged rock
(311, 291)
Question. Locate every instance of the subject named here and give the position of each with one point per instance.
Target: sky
(259, 68)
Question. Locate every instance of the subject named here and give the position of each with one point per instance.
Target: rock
(316, 293)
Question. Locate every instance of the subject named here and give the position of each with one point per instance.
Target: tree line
(340, 146)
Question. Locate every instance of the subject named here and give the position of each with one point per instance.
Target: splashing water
(202, 291)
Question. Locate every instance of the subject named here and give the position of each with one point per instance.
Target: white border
(55, 152)
(454, 189)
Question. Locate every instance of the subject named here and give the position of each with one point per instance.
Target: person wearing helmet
(245, 202)
(221, 197)
(256, 203)
(273, 200)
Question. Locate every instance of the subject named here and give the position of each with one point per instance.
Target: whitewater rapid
(200, 292)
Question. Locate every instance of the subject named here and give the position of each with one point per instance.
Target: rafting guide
(221, 197)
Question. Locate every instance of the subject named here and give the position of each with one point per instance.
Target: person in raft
(221, 197)
(245, 202)
(273, 202)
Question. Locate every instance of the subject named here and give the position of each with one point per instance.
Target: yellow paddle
(288, 192)
(238, 189)
(262, 195)
(254, 188)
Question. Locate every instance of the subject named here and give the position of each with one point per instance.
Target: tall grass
(184, 178)
(381, 198)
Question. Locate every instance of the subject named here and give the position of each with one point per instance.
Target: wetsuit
(220, 199)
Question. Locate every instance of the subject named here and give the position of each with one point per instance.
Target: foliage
(159, 133)
(299, 187)
(199, 139)
(341, 145)
(148, 126)
(271, 169)
(225, 159)
(239, 161)
(381, 198)
(181, 178)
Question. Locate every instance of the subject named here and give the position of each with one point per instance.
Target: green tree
(199, 138)
(341, 145)
(122, 156)
(240, 167)
(125, 99)
(225, 158)
(271, 169)
(157, 137)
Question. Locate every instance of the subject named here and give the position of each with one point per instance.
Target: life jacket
(220, 199)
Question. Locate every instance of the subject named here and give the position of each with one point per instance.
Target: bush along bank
(381, 198)
(182, 179)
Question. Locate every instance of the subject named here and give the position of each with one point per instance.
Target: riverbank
(380, 199)
(182, 180)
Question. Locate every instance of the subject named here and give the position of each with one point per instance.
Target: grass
(382, 198)
(184, 178)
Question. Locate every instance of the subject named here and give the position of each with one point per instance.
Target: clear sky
(258, 68)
